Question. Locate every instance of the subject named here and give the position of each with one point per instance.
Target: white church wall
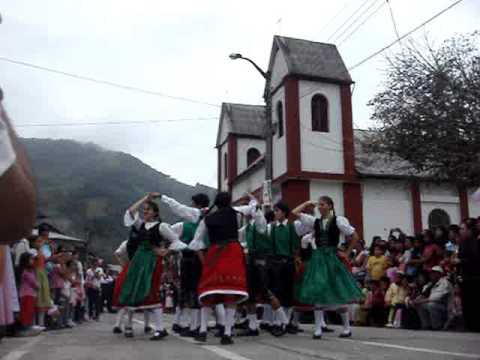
(279, 70)
(473, 207)
(443, 197)
(329, 188)
(249, 183)
(320, 151)
(243, 145)
(279, 144)
(387, 204)
(225, 128)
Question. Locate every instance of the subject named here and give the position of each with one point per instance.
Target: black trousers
(470, 303)
(190, 274)
(107, 296)
(94, 303)
(257, 278)
(281, 276)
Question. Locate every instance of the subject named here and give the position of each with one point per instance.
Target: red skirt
(223, 278)
(118, 286)
(27, 310)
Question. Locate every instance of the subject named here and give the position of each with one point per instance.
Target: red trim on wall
(464, 210)
(417, 208)
(295, 192)
(353, 205)
(292, 126)
(347, 130)
(232, 160)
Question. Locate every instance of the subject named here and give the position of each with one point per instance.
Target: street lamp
(268, 114)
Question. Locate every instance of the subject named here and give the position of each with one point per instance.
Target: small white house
(317, 152)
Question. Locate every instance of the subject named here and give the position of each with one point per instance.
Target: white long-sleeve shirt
(198, 243)
(187, 213)
(164, 229)
(308, 222)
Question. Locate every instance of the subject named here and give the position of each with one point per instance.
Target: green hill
(84, 189)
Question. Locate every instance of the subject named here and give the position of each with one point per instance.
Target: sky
(181, 49)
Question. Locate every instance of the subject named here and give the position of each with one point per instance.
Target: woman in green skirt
(327, 284)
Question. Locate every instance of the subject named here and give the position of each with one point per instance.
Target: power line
(104, 82)
(358, 18)
(362, 23)
(113, 122)
(393, 19)
(334, 17)
(348, 19)
(404, 36)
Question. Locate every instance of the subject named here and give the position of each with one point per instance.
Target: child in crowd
(93, 286)
(375, 304)
(377, 264)
(28, 290)
(395, 297)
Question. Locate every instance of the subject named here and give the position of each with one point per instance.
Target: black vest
(329, 236)
(142, 235)
(222, 226)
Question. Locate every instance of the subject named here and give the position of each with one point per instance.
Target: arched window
(320, 113)
(225, 165)
(252, 155)
(438, 217)
(280, 118)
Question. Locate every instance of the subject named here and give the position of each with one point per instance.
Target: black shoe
(148, 329)
(279, 331)
(242, 325)
(317, 337)
(226, 340)
(189, 333)
(177, 329)
(220, 331)
(251, 332)
(117, 330)
(128, 332)
(291, 329)
(345, 335)
(326, 329)
(159, 335)
(266, 327)
(201, 337)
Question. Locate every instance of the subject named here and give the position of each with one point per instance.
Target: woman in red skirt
(223, 278)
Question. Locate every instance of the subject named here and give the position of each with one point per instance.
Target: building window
(438, 217)
(280, 118)
(252, 155)
(320, 113)
(225, 165)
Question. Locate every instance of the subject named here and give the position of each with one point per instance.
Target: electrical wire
(348, 19)
(393, 20)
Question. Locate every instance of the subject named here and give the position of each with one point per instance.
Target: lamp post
(268, 115)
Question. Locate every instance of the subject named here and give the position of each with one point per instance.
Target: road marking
(431, 351)
(24, 349)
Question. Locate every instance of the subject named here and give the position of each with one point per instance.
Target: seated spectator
(377, 264)
(455, 314)
(432, 305)
(395, 297)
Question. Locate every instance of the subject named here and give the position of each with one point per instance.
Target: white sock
(204, 313)
(267, 316)
(252, 321)
(229, 320)
(158, 318)
(146, 317)
(120, 316)
(346, 322)
(288, 312)
(178, 316)
(318, 322)
(322, 319)
(280, 318)
(194, 318)
(295, 318)
(129, 319)
(220, 311)
(41, 318)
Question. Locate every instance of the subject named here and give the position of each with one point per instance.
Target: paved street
(95, 341)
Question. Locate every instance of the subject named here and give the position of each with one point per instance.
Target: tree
(429, 112)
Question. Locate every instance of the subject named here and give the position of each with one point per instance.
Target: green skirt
(141, 288)
(44, 300)
(326, 281)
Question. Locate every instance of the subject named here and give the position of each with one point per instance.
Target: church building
(316, 150)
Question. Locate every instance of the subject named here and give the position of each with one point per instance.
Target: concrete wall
(224, 181)
(443, 197)
(225, 128)
(321, 152)
(386, 205)
(248, 183)
(329, 188)
(279, 145)
(474, 207)
(279, 71)
(242, 147)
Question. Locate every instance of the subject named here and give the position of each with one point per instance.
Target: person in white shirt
(326, 282)
(17, 191)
